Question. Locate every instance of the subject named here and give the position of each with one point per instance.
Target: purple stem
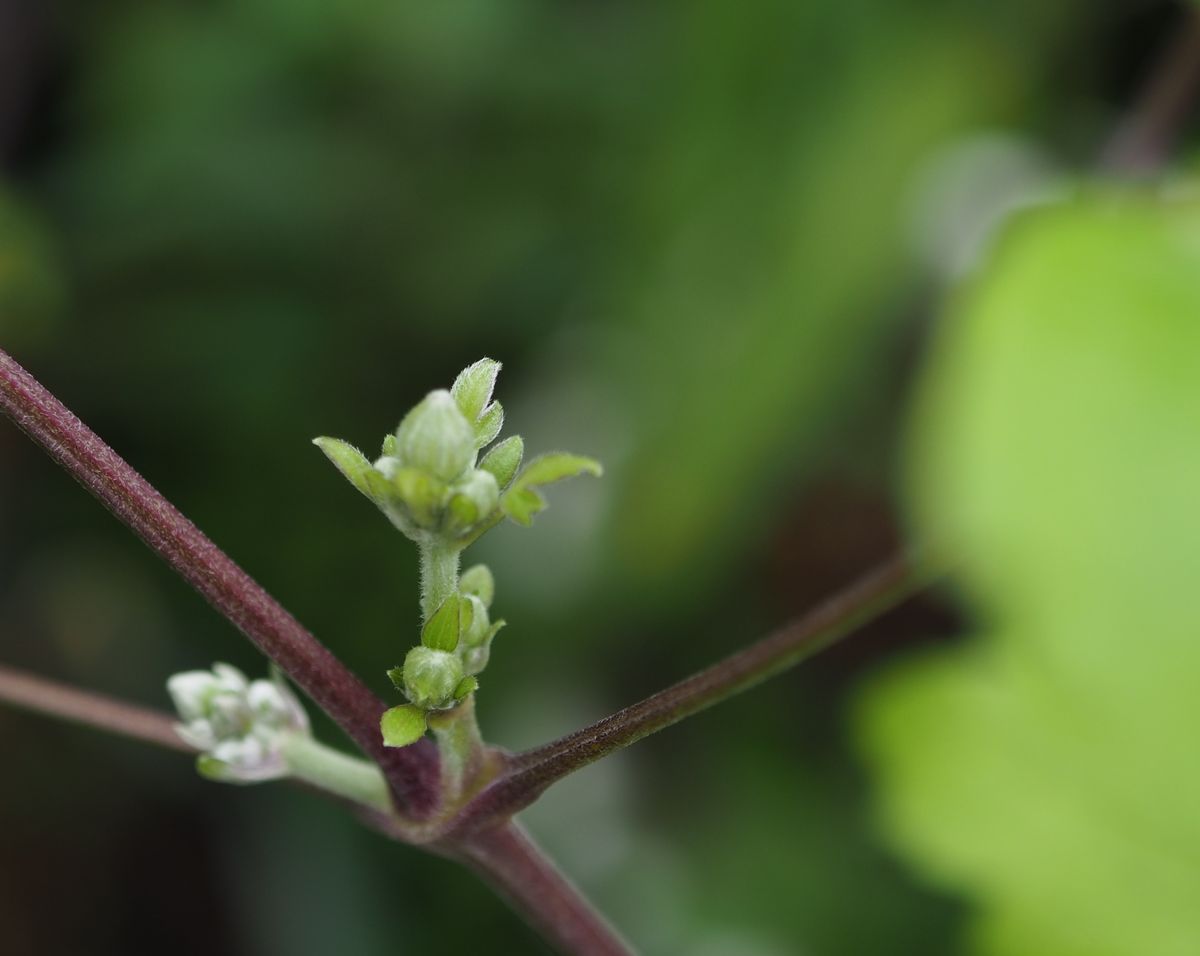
(531, 772)
(94, 710)
(1142, 142)
(507, 859)
(412, 771)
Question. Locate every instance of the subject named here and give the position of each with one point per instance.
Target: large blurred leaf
(1050, 767)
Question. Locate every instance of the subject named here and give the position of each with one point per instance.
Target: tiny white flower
(239, 724)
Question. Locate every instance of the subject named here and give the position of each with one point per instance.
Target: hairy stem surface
(532, 772)
(512, 864)
(412, 772)
(439, 577)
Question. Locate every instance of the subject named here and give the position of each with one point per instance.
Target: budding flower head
(238, 724)
(472, 499)
(431, 677)
(436, 438)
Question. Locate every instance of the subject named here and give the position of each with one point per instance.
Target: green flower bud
(431, 677)
(476, 623)
(478, 580)
(436, 438)
(239, 725)
(475, 657)
(472, 500)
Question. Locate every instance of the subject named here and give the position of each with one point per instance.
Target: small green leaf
(396, 676)
(504, 460)
(521, 504)
(402, 725)
(442, 631)
(467, 685)
(478, 581)
(489, 424)
(556, 466)
(389, 445)
(472, 390)
(351, 462)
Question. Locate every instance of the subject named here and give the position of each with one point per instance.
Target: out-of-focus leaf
(522, 501)
(1050, 768)
(557, 466)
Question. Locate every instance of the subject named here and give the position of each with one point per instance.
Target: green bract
(428, 483)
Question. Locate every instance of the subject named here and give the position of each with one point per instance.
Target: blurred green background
(706, 239)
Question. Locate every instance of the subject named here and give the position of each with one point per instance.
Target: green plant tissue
(1048, 766)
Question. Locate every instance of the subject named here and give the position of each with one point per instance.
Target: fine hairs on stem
(449, 793)
(478, 832)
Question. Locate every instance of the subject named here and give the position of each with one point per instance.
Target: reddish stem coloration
(507, 859)
(1142, 142)
(412, 771)
(530, 773)
(84, 707)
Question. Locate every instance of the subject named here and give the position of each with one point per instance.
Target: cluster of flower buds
(430, 485)
(427, 480)
(440, 672)
(240, 726)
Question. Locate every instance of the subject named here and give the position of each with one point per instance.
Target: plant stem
(530, 773)
(1142, 141)
(411, 771)
(439, 577)
(94, 710)
(506, 858)
(340, 774)
(460, 745)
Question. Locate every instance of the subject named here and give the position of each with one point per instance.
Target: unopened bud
(436, 438)
(239, 724)
(431, 677)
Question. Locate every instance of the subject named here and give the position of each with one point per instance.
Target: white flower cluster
(239, 724)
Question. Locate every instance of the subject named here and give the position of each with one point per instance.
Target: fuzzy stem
(460, 745)
(507, 859)
(411, 771)
(338, 773)
(439, 577)
(530, 773)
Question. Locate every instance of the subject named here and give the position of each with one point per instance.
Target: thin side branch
(84, 707)
(531, 772)
(1142, 142)
(514, 866)
(412, 771)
